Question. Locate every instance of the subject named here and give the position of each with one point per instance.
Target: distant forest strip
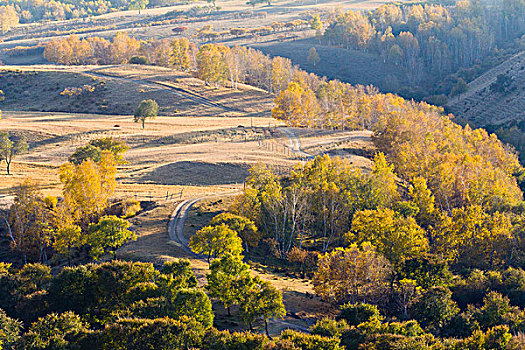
(440, 44)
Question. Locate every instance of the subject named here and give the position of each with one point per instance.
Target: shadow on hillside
(197, 173)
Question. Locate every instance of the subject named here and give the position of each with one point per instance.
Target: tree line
(33, 11)
(132, 305)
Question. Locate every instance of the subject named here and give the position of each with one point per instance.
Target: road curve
(295, 144)
(178, 219)
(176, 235)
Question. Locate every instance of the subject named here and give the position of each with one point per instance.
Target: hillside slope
(119, 90)
(480, 106)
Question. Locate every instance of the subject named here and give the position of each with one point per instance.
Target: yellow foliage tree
(352, 274)
(88, 186)
(396, 237)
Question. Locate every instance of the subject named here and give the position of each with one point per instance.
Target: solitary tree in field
(147, 109)
(313, 57)
(138, 5)
(10, 149)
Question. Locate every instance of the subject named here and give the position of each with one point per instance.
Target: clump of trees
(72, 50)
(79, 220)
(230, 282)
(8, 18)
(128, 305)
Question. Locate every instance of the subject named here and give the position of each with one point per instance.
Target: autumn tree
(351, 274)
(10, 149)
(148, 109)
(88, 187)
(216, 241)
(261, 300)
(180, 54)
(296, 105)
(67, 234)
(471, 237)
(123, 47)
(316, 24)
(228, 280)
(395, 236)
(8, 18)
(313, 57)
(108, 234)
(28, 227)
(244, 227)
(210, 64)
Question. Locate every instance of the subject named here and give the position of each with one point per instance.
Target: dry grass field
(132, 22)
(119, 90)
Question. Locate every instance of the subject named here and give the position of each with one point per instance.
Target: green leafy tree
(435, 308)
(158, 333)
(177, 274)
(216, 241)
(215, 339)
(108, 235)
(228, 280)
(9, 149)
(300, 340)
(138, 5)
(194, 303)
(95, 149)
(244, 227)
(55, 331)
(261, 300)
(357, 313)
(148, 109)
(9, 330)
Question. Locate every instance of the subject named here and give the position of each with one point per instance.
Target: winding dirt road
(295, 143)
